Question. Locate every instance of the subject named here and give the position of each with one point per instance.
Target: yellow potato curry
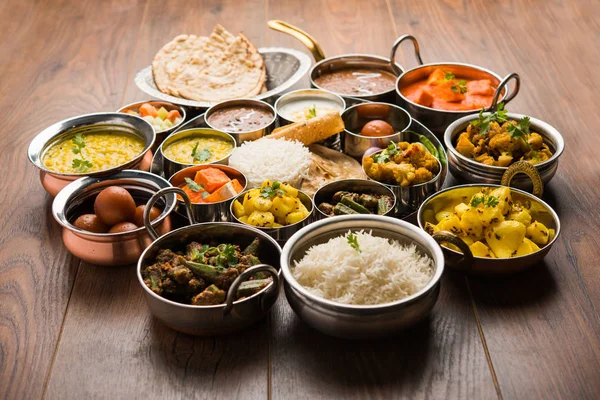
(492, 224)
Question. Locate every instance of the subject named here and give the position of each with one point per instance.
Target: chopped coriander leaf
(193, 185)
(272, 191)
(449, 76)
(202, 155)
(483, 122)
(79, 164)
(312, 112)
(353, 242)
(492, 201)
(476, 201)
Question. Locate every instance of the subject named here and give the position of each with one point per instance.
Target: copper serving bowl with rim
(53, 182)
(438, 120)
(464, 260)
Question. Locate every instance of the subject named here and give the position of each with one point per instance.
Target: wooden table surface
(73, 330)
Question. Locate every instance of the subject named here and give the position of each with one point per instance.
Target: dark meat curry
(203, 274)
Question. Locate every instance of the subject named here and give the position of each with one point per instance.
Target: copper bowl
(438, 120)
(54, 182)
(109, 249)
(160, 135)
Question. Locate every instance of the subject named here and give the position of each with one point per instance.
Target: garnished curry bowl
(437, 94)
(93, 145)
(372, 125)
(161, 131)
(366, 190)
(109, 249)
(532, 241)
(215, 210)
(231, 316)
(195, 146)
(360, 321)
(243, 119)
(288, 209)
(473, 171)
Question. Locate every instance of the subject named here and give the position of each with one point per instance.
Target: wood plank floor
(72, 330)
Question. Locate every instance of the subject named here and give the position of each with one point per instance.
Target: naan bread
(329, 166)
(215, 68)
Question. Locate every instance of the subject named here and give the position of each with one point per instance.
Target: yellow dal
(103, 150)
(181, 150)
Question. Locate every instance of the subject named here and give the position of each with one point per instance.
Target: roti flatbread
(215, 68)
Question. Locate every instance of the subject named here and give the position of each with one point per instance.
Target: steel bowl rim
(265, 229)
(357, 55)
(31, 154)
(263, 103)
(410, 120)
(60, 202)
(548, 130)
(178, 133)
(180, 108)
(353, 180)
(482, 185)
(175, 232)
(435, 64)
(203, 166)
(428, 242)
(434, 179)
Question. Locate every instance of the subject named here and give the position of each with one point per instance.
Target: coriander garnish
(487, 201)
(449, 76)
(353, 242)
(312, 112)
(461, 87)
(202, 155)
(521, 130)
(193, 185)
(384, 156)
(483, 122)
(272, 191)
(79, 164)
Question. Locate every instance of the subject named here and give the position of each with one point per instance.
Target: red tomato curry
(443, 91)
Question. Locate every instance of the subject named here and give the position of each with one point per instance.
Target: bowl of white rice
(361, 276)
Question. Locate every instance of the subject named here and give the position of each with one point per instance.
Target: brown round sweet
(91, 223)
(113, 205)
(123, 227)
(138, 219)
(377, 128)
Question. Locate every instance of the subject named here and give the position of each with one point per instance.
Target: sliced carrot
(173, 114)
(211, 178)
(237, 186)
(148, 109)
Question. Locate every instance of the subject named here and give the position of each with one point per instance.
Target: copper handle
(466, 262)
(161, 193)
(524, 167)
(271, 289)
(501, 86)
(398, 69)
(307, 40)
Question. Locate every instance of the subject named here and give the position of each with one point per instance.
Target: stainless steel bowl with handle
(231, 316)
(435, 119)
(360, 321)
(53, 182)
(465, 260)
(109, 249)
(472, 171)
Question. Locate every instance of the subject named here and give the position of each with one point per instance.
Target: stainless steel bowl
(160, 135)
(109, 249)
(241, 137)
(170, 167)
(284, 233)
(360, 321)
(409, 198)
(474, 172)
(207, 212)
(54, 182)
(354, 144)
(326, 192)
(438, 120)
(465, 261)
(223, 318)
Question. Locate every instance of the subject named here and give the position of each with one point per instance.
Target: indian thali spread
(368, 167)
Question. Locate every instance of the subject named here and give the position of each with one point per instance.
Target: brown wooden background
(72, 330)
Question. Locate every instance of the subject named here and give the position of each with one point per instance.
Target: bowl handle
(501, 86)
(307, 40)
(161, 193)
(399, 70)
(272, 289)
(466, 262)
(524, 167)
